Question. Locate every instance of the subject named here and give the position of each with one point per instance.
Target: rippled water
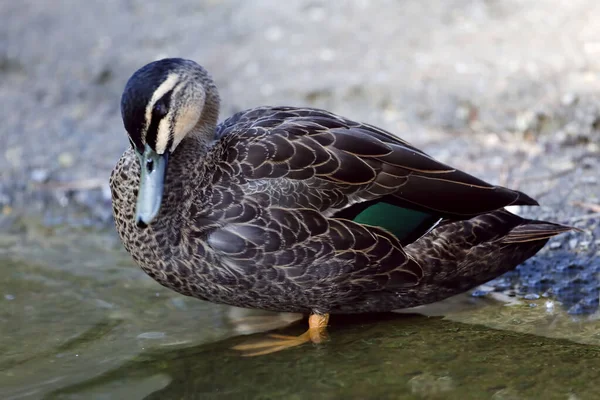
(79, 321)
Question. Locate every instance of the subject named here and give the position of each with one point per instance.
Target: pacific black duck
(298, 209)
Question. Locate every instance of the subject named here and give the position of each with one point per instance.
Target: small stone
(584, 244)
(463, 113)
(9, 297)
(555, 245)
(479, 293)
(532, 305)
(39, 175)
(573, 243)
(66, 160)
(531, 296)
(530, 121)
(569, 99)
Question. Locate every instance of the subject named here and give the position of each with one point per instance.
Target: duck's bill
(152, 179)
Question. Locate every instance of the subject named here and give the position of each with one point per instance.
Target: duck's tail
(460, 255)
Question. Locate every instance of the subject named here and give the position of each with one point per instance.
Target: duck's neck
(204, 131)
(184, 183)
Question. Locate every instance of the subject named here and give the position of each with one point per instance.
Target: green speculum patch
(401, 222)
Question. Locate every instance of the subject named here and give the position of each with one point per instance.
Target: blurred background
(507, 90)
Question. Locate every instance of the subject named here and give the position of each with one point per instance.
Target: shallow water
(80, 321)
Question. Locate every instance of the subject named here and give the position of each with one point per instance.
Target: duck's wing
(336, 163)
(281, 180)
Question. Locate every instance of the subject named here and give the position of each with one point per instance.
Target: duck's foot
(316, 333)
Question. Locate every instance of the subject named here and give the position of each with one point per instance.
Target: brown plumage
(270, 209)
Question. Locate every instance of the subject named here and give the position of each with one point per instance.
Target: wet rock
(571, 279)
(479, 293)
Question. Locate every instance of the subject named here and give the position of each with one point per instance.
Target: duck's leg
(316, 333)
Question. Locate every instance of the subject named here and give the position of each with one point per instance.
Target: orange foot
(316, 333)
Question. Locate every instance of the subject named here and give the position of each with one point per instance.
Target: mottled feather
(263, 216)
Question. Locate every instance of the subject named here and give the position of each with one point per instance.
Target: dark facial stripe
(159, 111)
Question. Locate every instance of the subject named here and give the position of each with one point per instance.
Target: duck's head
(163, 103)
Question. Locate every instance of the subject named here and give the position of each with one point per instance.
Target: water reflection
(385, 357)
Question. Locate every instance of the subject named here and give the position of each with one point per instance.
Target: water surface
(80, 321)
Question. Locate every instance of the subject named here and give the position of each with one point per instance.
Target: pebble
(573, 243)
(555, 245)
(66, 160)
(531, 296)
(569, 99)
(39, 175)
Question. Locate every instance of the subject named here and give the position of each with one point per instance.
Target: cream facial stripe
(187, 117)
(160, 91)
(162, 136)
(164, 127)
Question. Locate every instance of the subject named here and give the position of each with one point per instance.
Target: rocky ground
(507, 90)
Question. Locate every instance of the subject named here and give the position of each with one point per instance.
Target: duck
(297, 209)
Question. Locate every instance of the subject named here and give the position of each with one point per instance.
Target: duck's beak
(152, 178)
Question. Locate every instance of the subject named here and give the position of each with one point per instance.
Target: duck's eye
(160, 109)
